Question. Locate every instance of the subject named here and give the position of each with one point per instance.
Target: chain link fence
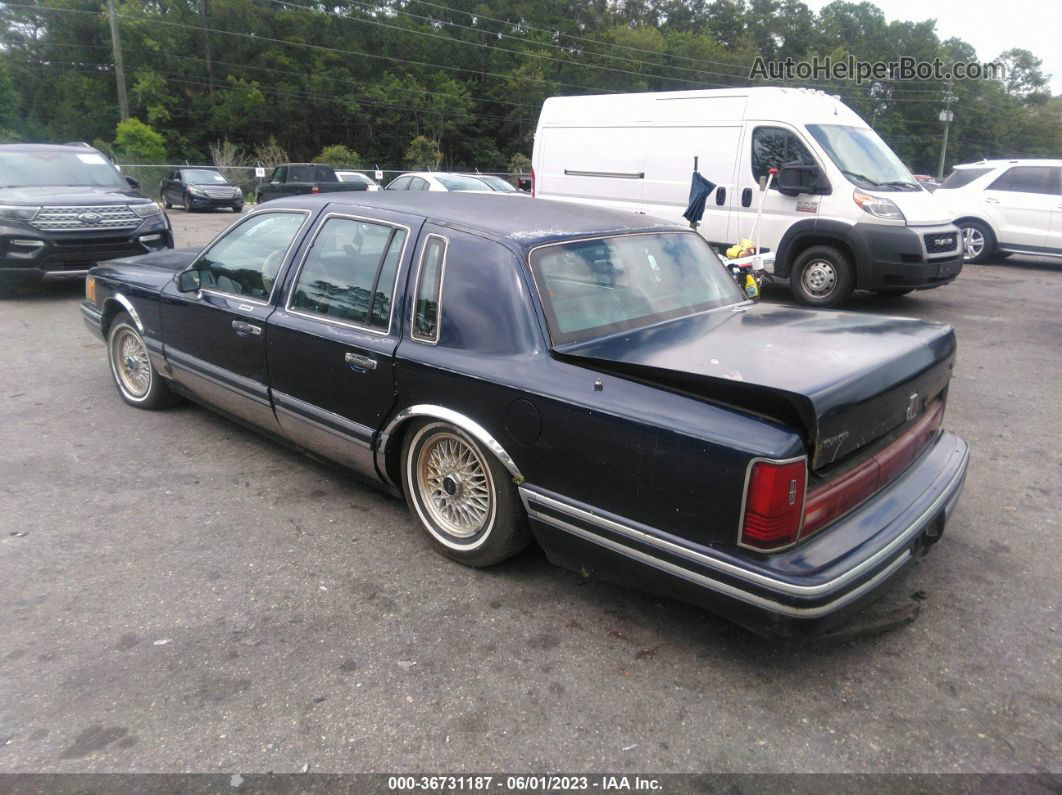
(250, 178)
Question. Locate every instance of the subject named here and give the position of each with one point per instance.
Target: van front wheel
(822, 276)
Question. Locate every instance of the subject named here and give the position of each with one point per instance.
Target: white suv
(1006, 207)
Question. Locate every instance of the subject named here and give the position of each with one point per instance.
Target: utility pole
(205, 15)
(947, 117)
(119, 67)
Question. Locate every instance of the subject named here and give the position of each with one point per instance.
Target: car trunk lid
(845, 380)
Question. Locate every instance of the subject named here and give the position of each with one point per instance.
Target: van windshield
(863, 157)
(590, 288)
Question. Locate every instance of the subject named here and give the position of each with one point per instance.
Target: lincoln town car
(590, 379)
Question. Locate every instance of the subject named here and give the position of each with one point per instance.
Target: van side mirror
(796, 178)
(188, 281)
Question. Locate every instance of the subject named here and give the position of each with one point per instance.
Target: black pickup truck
(65, 208)
(293, 179)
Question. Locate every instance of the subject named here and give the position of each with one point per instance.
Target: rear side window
(429, 289)
(1027, 179)
(773, 146)
(349, 273)
(399, 184)
(961, 177)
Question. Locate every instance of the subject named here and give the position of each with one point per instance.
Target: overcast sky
(990, 27)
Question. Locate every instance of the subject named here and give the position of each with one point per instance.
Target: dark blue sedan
(576, 375)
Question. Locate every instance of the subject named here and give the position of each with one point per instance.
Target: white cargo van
(843, 213)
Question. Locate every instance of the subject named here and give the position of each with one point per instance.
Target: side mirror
(796, 178)
(133, 182)
(188, 281)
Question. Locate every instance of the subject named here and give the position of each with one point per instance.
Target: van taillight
(774, 504)
(315, 189)
(532, 182)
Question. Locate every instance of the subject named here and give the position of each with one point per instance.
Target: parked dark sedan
(559, 372)
(200, 189)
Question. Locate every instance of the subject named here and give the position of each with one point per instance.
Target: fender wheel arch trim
(127, 305)
(456, 418)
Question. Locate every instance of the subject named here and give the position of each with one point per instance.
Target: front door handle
(359, 361)
(245, 329)
(746, 197)
(990, 200)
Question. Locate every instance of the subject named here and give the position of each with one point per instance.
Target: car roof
(78, 147)
(492, 215)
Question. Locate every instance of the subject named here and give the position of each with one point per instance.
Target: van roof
(1014, 162)
(793, 105)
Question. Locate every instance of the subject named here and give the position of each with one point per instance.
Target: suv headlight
(146, 210)
(15, 213)
(878, 206)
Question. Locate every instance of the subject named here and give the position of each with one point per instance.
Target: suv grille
(86, 219)
(941, 243)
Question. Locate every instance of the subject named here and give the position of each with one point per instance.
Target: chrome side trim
(238, 384)
(724, 588)
(607, 174)
(947, 496)
(128, 305)
(433, 340)
(468, 425)
(56, 276)
(347, 430)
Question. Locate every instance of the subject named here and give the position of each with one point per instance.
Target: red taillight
(315, 189)
(774, 504)
(532, 182)
(837, 497)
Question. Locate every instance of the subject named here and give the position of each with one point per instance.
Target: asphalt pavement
(179, 594)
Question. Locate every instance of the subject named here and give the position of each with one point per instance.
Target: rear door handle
(746, 197)
(359, 361)
(720, 196)
(245, 329)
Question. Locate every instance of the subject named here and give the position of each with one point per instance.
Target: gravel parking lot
(179, 594)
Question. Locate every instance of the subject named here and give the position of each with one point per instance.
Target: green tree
(339, 156)
(423, 154)
(137, 142)
(519, 163)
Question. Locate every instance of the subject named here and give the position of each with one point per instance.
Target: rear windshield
(461, 183)
(594, 287)
(58, 168)
(311, 174)
(961, 177)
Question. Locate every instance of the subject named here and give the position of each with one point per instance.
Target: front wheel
(822, 276)
(237, 208)
(978, 242)
(462, 496)
(137, 380)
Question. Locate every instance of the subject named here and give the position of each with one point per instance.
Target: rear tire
(137, 380)
(978, 241)
(822, 276)
(461, 495)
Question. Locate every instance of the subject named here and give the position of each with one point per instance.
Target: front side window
(429, 290)
(247, 259)
(774, 146)
(349, 273)
(1027, 179)
(591, 288)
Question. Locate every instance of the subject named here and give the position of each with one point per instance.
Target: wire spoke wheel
(455, 485)
(129, 359)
